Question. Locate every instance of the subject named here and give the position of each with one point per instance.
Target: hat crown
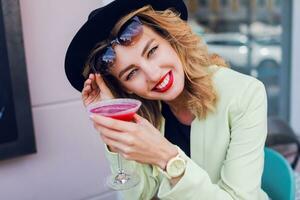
(94, 13)
(97, 28)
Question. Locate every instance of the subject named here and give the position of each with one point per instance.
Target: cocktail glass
(122, 109)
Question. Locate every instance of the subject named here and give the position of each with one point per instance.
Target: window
(16, 126)
(262, 52)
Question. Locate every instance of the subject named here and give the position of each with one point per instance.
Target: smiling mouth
(165, 83)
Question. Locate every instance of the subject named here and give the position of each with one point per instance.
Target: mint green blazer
(227, 148)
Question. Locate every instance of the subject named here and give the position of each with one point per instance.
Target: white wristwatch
(175, 166)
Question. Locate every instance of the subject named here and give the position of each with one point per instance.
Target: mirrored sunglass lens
(131, 33)
(109, 56)
(104, 60)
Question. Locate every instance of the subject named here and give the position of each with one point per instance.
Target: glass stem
(120, 163)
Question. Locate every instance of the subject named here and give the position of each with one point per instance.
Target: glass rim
(106, 102)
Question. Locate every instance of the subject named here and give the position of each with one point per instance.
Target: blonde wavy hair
(199, 94)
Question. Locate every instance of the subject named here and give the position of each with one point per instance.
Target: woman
(194, 108)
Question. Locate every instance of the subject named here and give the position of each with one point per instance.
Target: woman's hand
(95, 90)
(138, 140)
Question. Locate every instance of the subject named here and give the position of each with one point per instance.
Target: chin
(174, 94)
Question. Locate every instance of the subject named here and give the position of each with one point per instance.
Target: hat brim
(98, 28)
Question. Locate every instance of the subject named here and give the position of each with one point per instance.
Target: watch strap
(180, 154)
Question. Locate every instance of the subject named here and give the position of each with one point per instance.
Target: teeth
(164, 83)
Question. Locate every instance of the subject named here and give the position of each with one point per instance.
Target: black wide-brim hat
(98, 27)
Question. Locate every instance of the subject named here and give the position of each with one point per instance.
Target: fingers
(114, 146)
(142, 121)
(117, 136)
(93, 82)
(86, 91)
(89, 85)
(99, 81)
(90, 81)
(115, 124)
(101, 84)
(117, 147)
(137, 118)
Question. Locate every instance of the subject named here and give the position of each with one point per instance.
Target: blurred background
(249, 35)
(65, 160)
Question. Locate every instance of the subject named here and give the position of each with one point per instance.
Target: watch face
(176, 168)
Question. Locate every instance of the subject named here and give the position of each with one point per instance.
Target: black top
(176, 132)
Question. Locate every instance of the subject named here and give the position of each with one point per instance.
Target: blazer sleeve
(240, 176)
(148, 186)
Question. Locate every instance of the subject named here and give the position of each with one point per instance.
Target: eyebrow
(143, 52)
(125, 70)
(147, 46)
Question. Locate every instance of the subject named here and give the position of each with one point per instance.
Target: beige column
(215, 6)
(270, 5)
(253, 4)
(235, 5)
(192, 5)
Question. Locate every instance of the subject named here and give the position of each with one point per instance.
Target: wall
(70, 163)
(295, 72)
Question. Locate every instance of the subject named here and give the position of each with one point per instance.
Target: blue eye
(130, 74)
(152, 51)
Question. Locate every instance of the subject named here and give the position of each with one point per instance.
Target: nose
(152, 73)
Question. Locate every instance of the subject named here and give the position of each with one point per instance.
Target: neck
(180, 109)
(178, 103)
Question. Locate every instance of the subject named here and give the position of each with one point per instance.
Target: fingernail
(92, 116)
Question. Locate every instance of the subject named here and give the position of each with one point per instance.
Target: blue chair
(278, 177)
(281, 133)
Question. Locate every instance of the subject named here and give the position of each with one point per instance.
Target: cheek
(168, 54)
(136, 86)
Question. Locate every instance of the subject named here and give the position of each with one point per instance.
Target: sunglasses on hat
(129, 33)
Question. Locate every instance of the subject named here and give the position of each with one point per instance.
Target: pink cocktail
(121, 108)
